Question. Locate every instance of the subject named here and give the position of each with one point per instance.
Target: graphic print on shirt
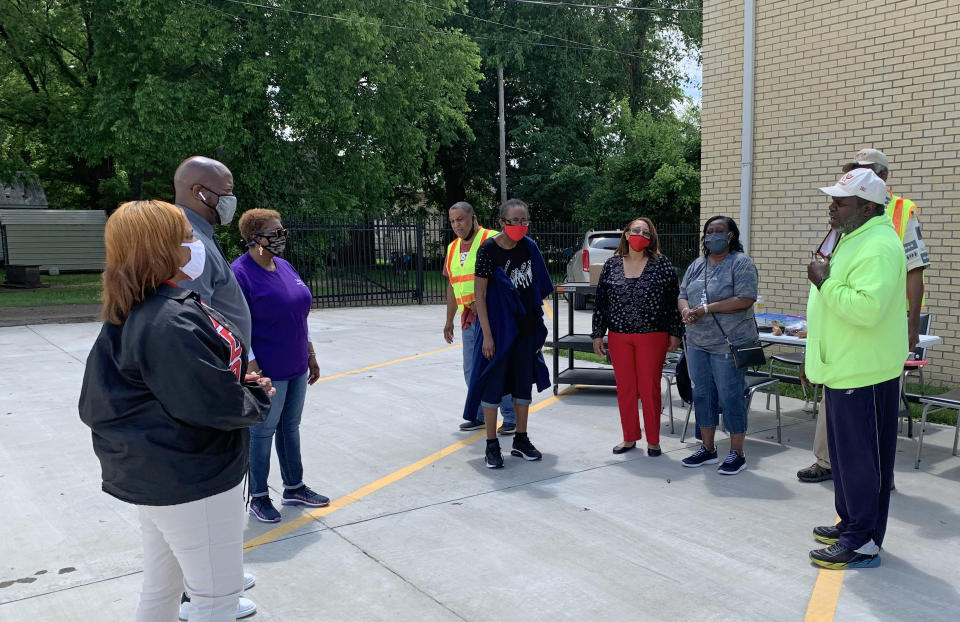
(521, 277)
(236, 350)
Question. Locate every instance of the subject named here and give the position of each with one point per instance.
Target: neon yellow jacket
(856, 322)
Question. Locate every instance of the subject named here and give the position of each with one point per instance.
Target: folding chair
(670, 375)
(755, 382)
(947, 401)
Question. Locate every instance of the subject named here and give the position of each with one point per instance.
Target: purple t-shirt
(279, 302)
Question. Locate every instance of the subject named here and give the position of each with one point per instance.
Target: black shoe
(494, 459)
(506, 429)
(828, 534)
(468, 426)
(814, 473)
(653, 452)
(839, 557)
(622, 449)
(523, 448)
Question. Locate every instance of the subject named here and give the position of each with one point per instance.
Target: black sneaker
(701, 457)
(304, 496)
(839, 557)
(523, 448)
(468, 426)
(262, 509)
(494, 459)
(828, 534)
(732, 464)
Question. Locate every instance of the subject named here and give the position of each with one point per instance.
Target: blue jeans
(718, 386)
(469, 342)
(282, 422)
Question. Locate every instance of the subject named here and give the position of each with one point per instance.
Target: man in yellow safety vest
(459, 266)
(903, 213)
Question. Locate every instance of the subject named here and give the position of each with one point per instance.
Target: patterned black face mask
(275, 242)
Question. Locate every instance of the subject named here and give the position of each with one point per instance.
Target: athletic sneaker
(262, 509)
(839, 557)
(494, 459)
(828, 534)
(467, 426)
(304, 496)
(248, 581)
(523, 448)
(506, 429)
(701, 457)
(814, 473)
(245, 607)
(733, 464)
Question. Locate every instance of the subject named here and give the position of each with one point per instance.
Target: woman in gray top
(722, 285)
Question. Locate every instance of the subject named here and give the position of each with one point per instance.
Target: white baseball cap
(860, 182)
(865, 157)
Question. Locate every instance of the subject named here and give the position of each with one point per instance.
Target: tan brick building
(832, 76)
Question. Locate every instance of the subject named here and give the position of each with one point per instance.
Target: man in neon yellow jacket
(856, 345)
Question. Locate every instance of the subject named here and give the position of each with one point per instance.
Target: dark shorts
(512, 375)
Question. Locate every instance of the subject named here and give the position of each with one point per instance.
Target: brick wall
(833, 76)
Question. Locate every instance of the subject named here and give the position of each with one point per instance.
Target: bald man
(204, 191)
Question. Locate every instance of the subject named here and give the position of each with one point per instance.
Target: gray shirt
(217, 285)
(734, 276)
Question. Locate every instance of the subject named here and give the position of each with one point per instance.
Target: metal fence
(356, 262)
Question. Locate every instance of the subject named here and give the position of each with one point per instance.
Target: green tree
(652, 170)
(103, 99)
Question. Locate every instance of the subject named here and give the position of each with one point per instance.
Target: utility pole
(503, 136)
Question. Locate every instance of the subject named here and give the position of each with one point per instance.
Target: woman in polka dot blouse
(636, 301)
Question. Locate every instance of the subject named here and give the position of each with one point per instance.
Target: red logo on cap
(863, 188)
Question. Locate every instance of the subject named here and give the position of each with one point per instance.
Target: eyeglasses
(645, 234)
(523, 222)
(270, 234)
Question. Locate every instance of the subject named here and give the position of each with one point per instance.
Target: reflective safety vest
(461, 277)
(899, 210)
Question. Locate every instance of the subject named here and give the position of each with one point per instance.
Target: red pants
(637, 366)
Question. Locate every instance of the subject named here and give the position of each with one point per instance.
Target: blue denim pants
(469, 342)
(282, 423)
(718, 386)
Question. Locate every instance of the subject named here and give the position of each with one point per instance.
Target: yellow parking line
(369, 489)
(547, 310)
(826, 592)
(406, 358)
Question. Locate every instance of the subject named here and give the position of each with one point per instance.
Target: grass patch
(65, 289)
(580, 356)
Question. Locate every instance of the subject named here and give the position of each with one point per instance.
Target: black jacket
(163, 396)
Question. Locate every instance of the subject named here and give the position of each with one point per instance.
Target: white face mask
(198, 257)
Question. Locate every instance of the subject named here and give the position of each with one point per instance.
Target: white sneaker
(245, 607)
(248, 581)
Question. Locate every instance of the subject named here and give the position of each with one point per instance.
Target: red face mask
(638, 242)
(516, 232)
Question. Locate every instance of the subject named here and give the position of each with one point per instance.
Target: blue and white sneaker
(262, 509)
(304, 496)
(733, 464)
(701, 457)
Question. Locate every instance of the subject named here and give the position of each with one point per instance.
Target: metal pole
(503, 136)
(746, 135)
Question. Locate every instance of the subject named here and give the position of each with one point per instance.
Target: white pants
(197, 546)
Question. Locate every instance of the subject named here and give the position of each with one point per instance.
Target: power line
(608, 7)
(577, 46)
(534, 32)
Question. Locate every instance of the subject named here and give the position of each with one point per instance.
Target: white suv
(597, 247)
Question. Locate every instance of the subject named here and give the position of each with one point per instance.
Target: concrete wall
(66, 239)
(833, 76)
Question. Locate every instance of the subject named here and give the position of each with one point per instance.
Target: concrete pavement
(583, 534)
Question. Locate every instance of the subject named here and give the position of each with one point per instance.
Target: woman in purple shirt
(279, 303)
